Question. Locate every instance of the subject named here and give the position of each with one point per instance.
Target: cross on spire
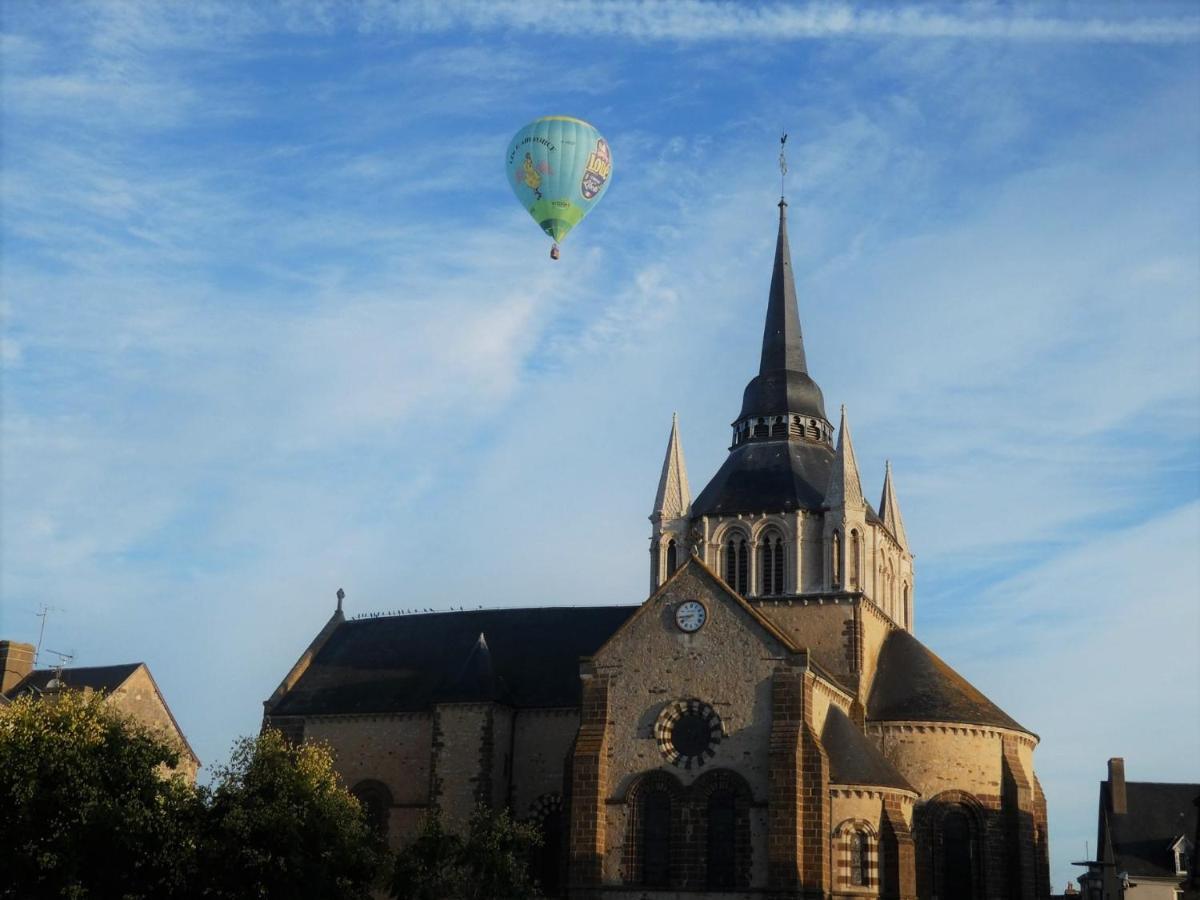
(782, 167)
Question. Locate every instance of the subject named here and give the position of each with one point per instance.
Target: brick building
(764, 724)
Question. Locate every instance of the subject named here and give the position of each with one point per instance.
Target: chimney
(16, 661)
(1116, 786)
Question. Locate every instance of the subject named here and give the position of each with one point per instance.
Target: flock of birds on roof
(387, 613)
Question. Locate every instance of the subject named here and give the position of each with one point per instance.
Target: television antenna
(44, 610)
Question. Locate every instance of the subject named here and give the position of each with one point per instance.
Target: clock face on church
(690, 616)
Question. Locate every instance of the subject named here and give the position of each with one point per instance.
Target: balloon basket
(555, 252)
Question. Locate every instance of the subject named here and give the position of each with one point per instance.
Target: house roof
(913, 684)
(854, 758)
(98, 678)
(407, 663)
(1157, 815)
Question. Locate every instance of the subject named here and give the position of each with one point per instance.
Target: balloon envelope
(559, 168)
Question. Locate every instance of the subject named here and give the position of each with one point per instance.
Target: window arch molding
(951, 834)
(649, 857)
(857, 854)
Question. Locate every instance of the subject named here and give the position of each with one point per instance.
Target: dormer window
(1183, 851)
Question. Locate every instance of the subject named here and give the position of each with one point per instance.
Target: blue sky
(274, 324)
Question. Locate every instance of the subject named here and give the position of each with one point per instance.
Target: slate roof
(913, 684)
(768, 476)
(98, 678)
(1158, 813)
(854, 758)
(407, 663)
(782, 384)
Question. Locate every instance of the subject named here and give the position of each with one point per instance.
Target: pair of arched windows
(716, 857)
(737, 563)
(770, 563)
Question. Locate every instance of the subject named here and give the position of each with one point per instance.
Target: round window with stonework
(688, 732)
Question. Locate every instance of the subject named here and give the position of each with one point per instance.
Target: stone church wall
(542, 742)
(392, 749)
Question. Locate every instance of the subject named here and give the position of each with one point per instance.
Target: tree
(281, 825)
(490, 863)
(88, 807)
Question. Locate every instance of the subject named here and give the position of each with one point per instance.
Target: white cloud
(693, 20)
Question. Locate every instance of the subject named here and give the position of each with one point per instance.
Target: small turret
(889, 509)
(845, 487)
(672, 508)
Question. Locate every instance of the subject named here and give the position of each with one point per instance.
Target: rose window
(688, 732)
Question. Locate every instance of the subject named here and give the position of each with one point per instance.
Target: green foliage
(490, 863)
(86, 809)
(89, 810)
(282, 826)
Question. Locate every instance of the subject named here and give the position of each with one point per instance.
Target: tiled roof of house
(407, 663)
(98, 678)
(1157, 815)
(912, 684)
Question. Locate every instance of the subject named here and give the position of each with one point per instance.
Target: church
(764, 725)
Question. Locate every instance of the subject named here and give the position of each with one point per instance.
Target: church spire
(674, 497)
(782, 386)
(889, 509)
(783, 343)
(845, 488)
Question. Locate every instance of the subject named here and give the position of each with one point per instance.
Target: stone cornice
(953, 728)
(871, 792)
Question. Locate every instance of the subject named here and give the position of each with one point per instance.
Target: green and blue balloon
(559, 168)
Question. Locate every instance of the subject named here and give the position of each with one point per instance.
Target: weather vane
(782, 164)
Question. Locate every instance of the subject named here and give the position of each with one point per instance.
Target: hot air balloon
(559, 168)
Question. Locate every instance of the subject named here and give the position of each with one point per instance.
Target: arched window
(907, 624)
(835, 559)
(771, 558)
(376, 801)
(860, 857)
(655, 554)
(719, 804)
(855, 560)
(957, 856)
(722, 841)
(737, 563)
(671, 559)
(656, 838)
(548, 864)
(780, 427)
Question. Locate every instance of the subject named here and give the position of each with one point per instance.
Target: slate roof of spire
(854, 758)
(912, 684)
(889, 509)
(1157, 813)
(674, 497)
(845, 487)
(782, 384)
(407, 663)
